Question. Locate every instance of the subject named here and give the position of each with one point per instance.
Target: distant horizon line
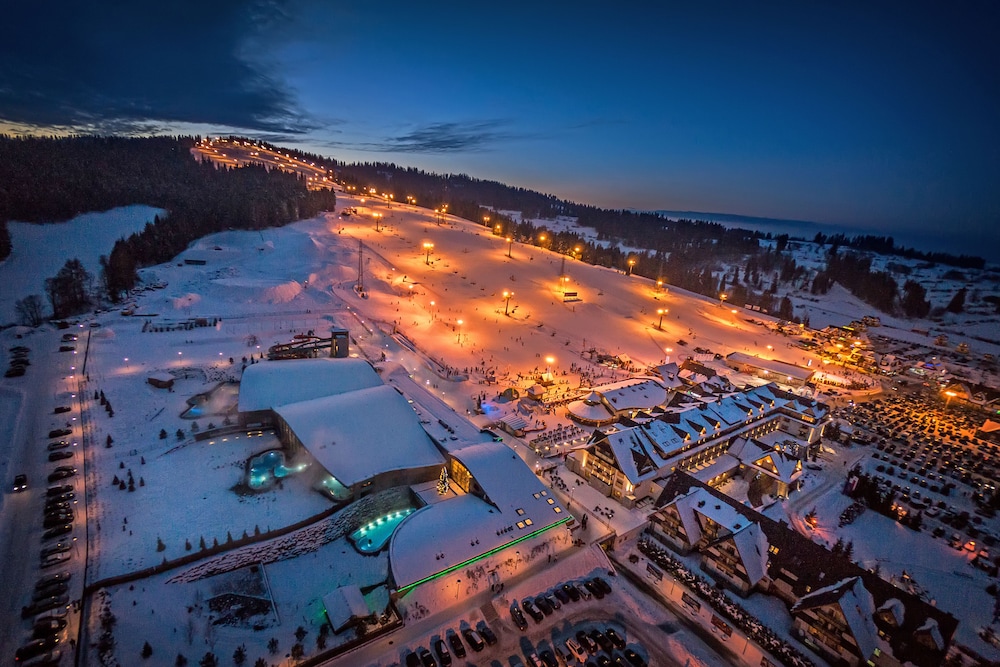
(910, 241)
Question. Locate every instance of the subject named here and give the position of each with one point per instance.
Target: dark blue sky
(869, 114)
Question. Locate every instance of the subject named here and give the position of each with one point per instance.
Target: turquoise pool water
(270, 466)
(373, 536)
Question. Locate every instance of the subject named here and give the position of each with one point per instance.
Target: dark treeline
(886, 245)
(44, 179)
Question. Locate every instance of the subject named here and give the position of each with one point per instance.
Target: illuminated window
(528, 522)
(772, 549)
(549, 501)
(558, 510)
(520, 511)
(545, 493)
(537, 495)
(520, 524)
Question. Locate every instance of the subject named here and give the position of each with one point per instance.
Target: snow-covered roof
(444, 534)
(360, 434)
(345, 605)
(633, 460)
(856, 605)
(779, 368)
(751, 543)
(633, 394)
(589, 412)
(272, 383)
(665, 439)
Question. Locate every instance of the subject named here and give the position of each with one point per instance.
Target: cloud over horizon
(127, 66)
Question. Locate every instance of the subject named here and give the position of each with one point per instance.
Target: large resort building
(469, 501)
(847, 614)
(765, 432)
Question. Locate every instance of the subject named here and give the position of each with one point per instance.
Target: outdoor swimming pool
(268, 467)
(372, 537)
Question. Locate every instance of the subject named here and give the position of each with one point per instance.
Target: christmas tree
(443, 482)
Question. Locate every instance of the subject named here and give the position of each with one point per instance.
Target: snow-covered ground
(39, 251)
(430, 310)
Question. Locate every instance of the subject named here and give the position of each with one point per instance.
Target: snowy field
(39, 251)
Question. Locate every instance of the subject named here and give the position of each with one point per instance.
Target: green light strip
(489, 553)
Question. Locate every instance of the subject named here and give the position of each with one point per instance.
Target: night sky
(875, 115)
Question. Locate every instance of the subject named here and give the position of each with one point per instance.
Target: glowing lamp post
(427, 249)
(506, 297)
(661, 312)
(722, 299)
(378, 217)
(510, 246)
(947, 401)
(459, 332)
(631, 264)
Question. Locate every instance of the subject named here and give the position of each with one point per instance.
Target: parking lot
(925, 451)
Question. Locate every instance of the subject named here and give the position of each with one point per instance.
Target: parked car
(48, 604)
(55, 578)
(487, 634)
(571, 592)
(48, 625)
(57, 519)
(60, 432)
(518, 617)
(58, 490)
(58, 548)
(473, 639)
(443, 654)
(605, 586)
(594, 589)
(426, 658)
(55, 589)
(615, 638)
(586, 642)
(59, 409)
(20, 483)
(634, 658)
(58, 444)
(60, 456)
(62, 472)
(55, 559)
(544, 605)
(602, 640)
(456, 644)
(412, 659)
(34, 648)
(57, 531)
(532, 611)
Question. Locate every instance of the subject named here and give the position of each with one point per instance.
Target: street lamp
(486, 221)
(460, 332)
(661, 312)
(506, 297)
(510, 245)
(950, 395)
(377, 216)
(722, 298)
(631, 263)
(667, 350)
(427, 248)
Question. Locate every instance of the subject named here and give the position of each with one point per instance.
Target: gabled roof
(751, 543)
(811, 563)
(855, 604)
